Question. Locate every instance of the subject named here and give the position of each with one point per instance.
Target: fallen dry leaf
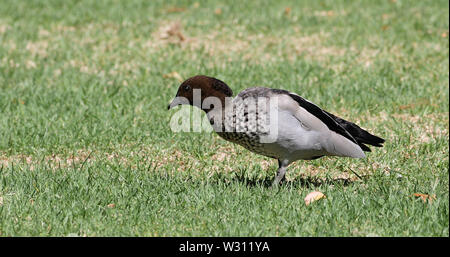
(287, 11)
(425, 197)
(111, 205)
(171, 31)
(406, 106)
(174, 75)
(174, 9)
(314, 196)
(176, 31)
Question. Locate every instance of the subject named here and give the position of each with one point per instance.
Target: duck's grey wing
(324, 116)
(316, 111)
(333, 138)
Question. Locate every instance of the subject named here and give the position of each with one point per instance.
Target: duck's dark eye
(187, 88)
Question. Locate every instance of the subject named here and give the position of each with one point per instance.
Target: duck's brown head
(195, 89)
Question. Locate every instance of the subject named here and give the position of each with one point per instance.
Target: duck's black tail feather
(361, 136)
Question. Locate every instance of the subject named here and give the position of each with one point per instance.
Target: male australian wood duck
(274, 123)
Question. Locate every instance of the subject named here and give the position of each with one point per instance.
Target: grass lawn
(85, 143)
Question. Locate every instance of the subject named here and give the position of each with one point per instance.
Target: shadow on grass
(304, 182)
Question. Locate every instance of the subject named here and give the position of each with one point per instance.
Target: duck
(275, 123)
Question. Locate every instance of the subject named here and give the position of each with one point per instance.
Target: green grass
(85, 143)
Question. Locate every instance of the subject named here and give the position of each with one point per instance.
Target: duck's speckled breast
(246, 123)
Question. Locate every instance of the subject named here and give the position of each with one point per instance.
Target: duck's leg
(282, 166)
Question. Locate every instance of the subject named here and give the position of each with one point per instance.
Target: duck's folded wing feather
(361, 136)
(335, 139)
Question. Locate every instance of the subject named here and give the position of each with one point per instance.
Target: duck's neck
(216, 110)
